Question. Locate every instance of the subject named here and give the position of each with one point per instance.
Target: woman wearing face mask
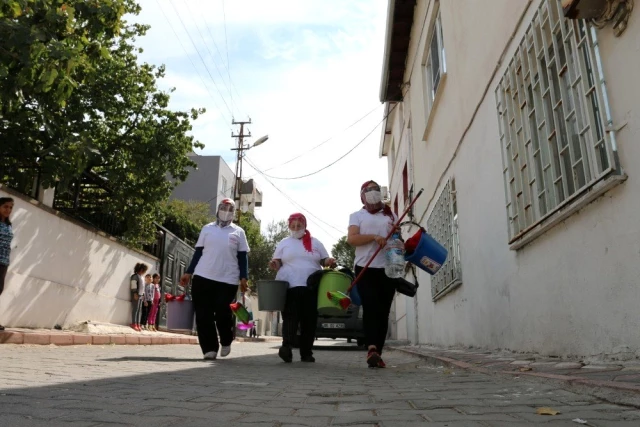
(220, 261)
(367, 230)
(296, 257)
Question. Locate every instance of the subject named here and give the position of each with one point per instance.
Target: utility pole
(237, 189)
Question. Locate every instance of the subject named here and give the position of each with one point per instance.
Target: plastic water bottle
(394, 267)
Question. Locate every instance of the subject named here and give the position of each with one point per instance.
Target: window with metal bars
(551, 103)
(442, 225)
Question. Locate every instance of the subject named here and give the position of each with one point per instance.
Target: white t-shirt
(377, 223)
(297, 263)
(219, 259)
(141, 286)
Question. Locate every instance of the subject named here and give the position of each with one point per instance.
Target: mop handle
(393, 230)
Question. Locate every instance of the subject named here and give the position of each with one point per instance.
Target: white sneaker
(210, 355)
(225, 350)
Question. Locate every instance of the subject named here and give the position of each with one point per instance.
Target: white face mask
(297, 234)
(225, 216)
(373, 197)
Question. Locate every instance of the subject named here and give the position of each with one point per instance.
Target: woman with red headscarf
(297, 257)
(368, 229)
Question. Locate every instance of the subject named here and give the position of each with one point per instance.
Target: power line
(341, 157)
(298, 204)
(325, 141)
(200, 55)
(218, 195)
(232, 84)
(192, 63)
(211, 53)
(226, 42)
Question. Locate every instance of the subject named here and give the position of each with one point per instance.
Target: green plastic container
(332, 281)
(272, 294)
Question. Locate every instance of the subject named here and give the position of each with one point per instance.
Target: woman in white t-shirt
(368, 229)
(295, 259)
(219, 263)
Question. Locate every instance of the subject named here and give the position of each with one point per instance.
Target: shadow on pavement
(124, 389)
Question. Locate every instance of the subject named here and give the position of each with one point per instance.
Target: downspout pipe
(387, 50)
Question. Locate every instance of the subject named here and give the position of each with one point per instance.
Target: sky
(304, 71)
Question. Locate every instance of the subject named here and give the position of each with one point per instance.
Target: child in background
(137, 294)
(155, 302)
(148, 301)
(6, 235)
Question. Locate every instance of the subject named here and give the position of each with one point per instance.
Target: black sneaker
(286, 354)
(309, 359)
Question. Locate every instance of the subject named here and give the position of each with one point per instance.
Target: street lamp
(260, 141)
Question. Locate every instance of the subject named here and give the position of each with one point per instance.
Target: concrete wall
(572, 291)
(62, 272)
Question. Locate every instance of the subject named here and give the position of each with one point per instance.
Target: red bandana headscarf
(378, 206)
(306, 239)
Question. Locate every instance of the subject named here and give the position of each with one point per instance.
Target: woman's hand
(146, 304)
(275, 264)
(329, 262)
(243, 285)
(136, 297)
(184, 280)
(381, 241)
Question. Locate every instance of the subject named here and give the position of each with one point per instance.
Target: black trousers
(144, 317)
(211, 301)
(300, 309)
(3, 275)
(376, 292)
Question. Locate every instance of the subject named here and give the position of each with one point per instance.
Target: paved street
(171, 386)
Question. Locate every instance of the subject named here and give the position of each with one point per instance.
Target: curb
(606, 390)
(39, 338)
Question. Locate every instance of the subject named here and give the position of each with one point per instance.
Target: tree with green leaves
(185, 219)
(344, 253)
(76, 103)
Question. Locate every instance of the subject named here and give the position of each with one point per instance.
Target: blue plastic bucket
(429, 254)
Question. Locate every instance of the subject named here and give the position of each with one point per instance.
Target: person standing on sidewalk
(137, 294)
(368, 229)
(220, 261)
(297, 257)
(6, 236)
(147, 302)
(155, 302)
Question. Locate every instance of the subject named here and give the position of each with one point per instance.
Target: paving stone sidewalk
(172, 386)
(622, 376)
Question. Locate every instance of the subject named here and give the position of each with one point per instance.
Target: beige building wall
(574, 289)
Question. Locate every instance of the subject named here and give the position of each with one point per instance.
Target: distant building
(251, 197)
(211, 182)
